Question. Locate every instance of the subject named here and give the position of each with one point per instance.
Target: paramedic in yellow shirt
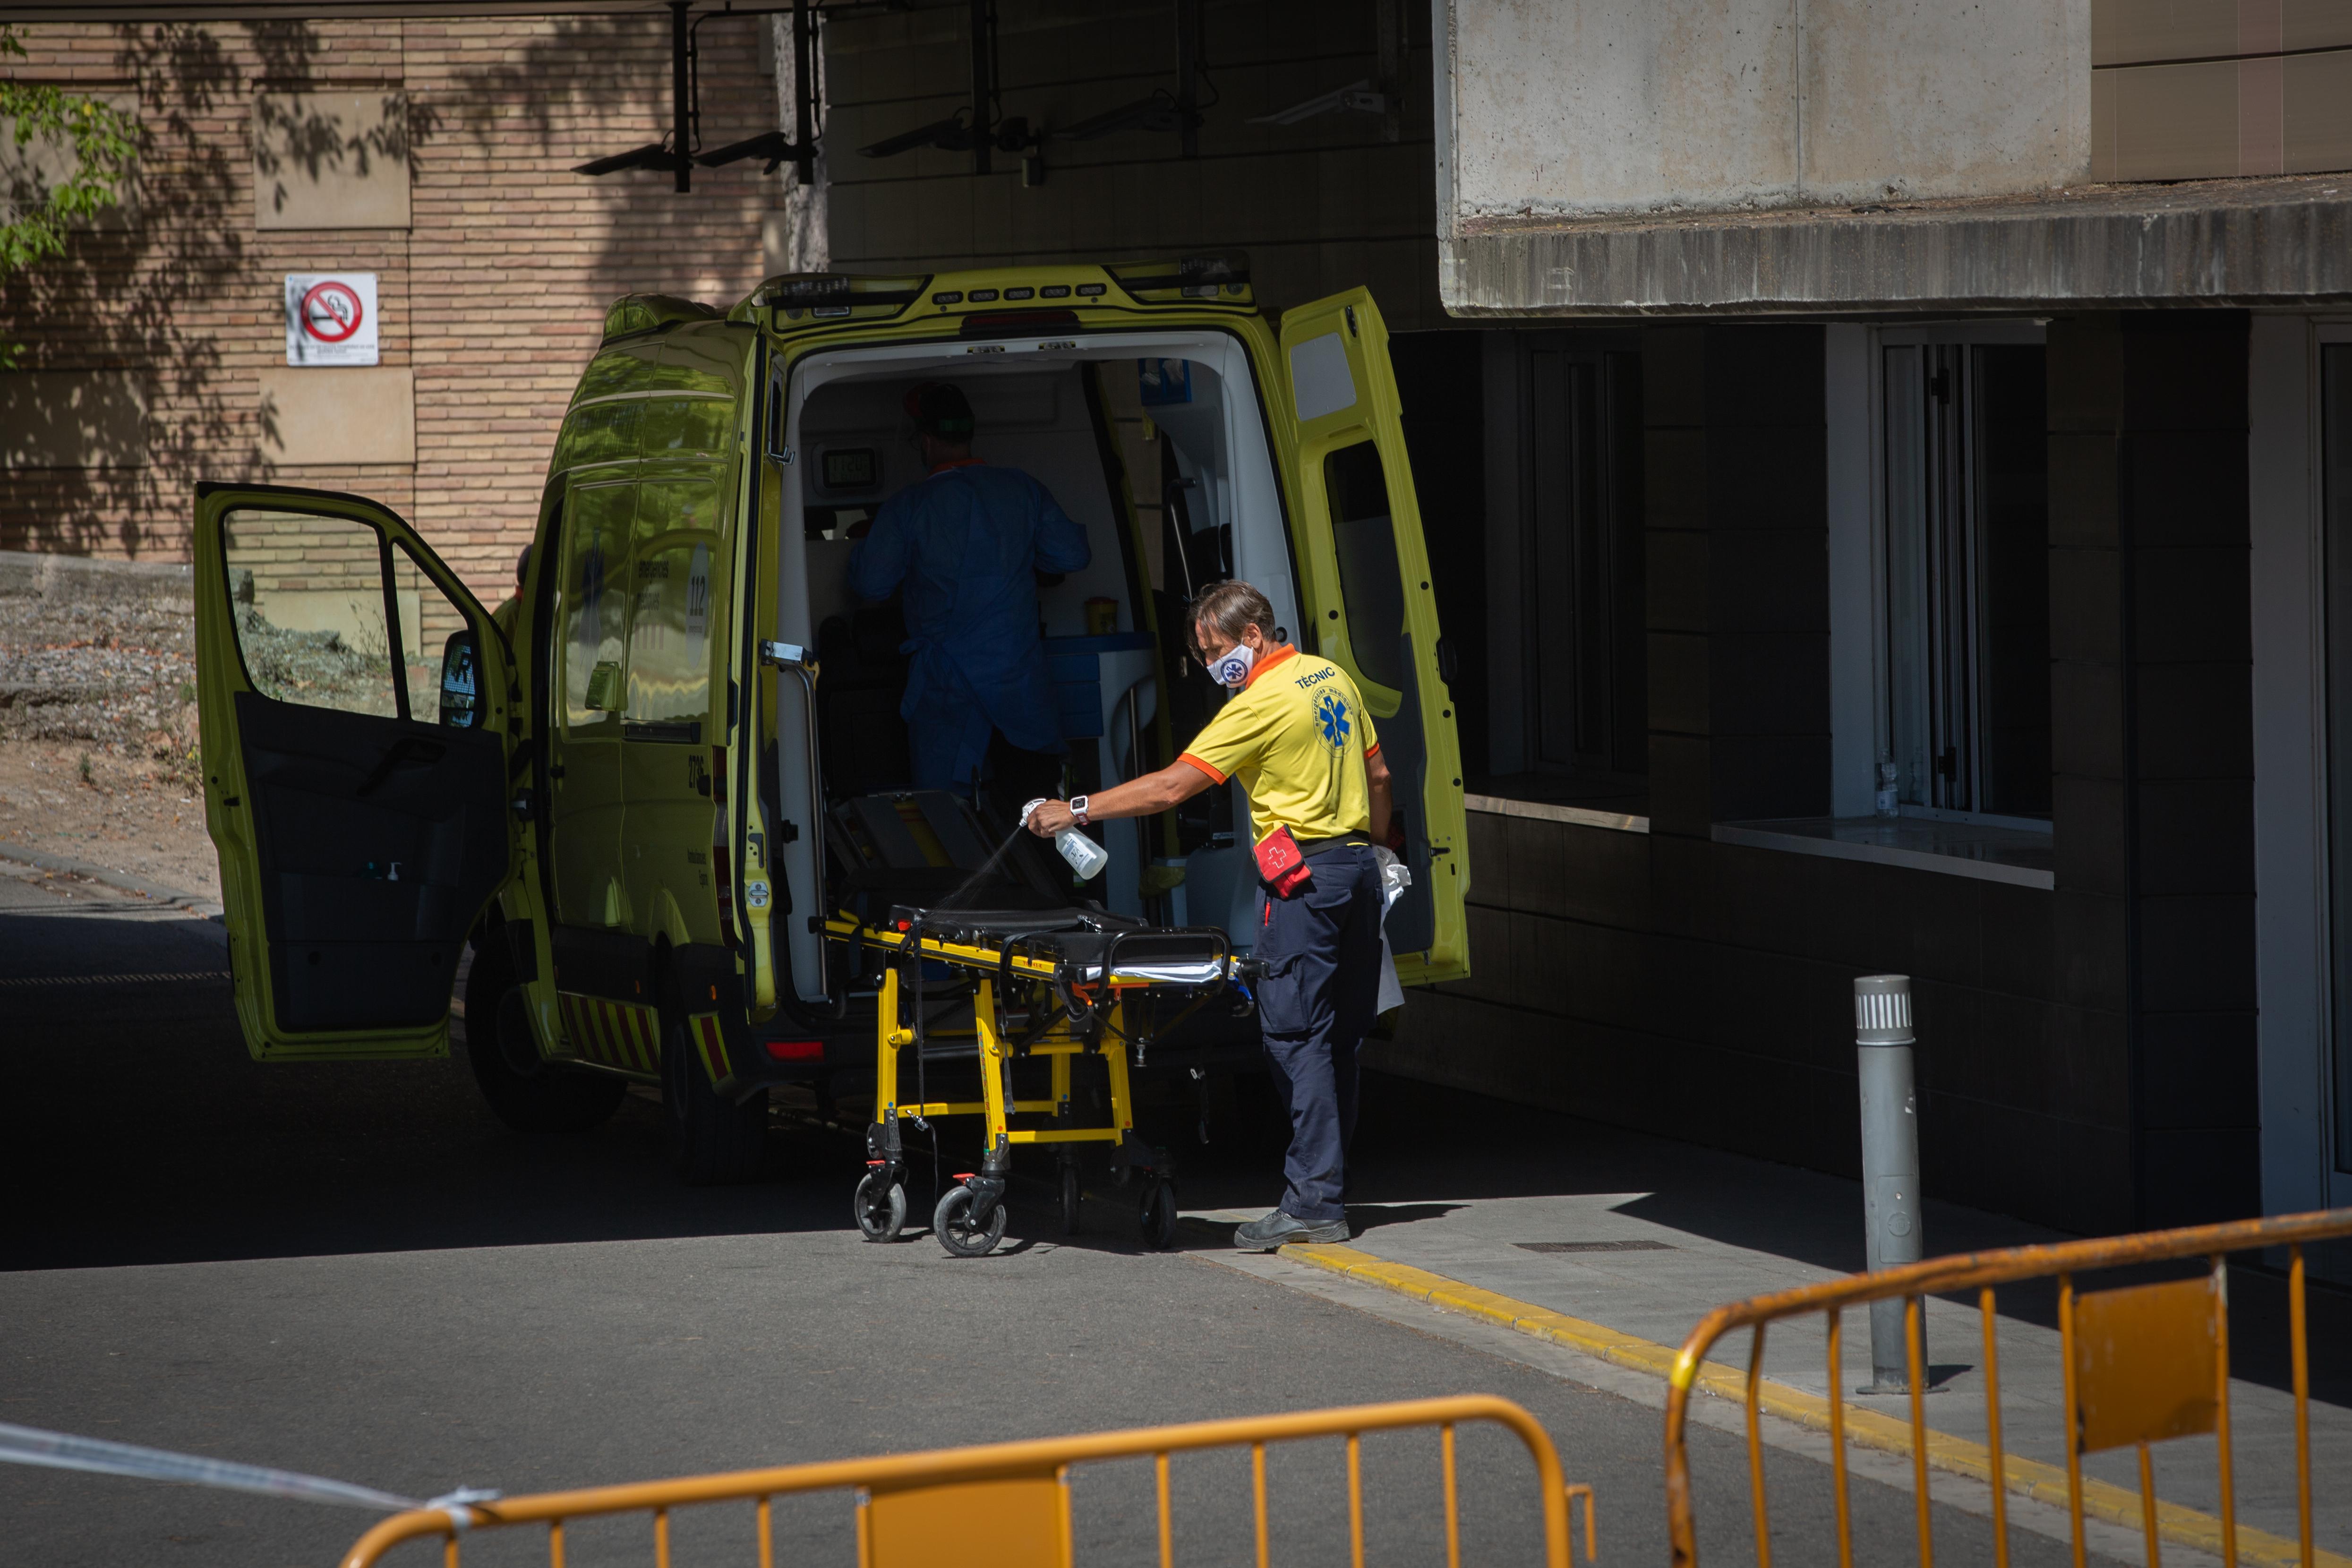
(1297, 735)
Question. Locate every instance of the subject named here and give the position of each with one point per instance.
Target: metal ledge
(1948, 848)
(1544, 811)
(2206, 242)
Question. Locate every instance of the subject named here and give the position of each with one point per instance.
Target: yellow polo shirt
(1297, 735)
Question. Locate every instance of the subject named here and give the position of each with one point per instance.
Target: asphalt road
(354, 1270)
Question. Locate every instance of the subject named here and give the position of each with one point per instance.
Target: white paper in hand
(1394, 879)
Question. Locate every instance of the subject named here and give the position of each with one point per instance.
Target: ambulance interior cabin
(1075, 419)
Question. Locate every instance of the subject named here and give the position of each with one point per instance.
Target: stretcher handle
(1223, 948)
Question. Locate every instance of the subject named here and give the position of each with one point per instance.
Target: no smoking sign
(330, 318)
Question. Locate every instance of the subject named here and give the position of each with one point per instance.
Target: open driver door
(1367, 603)
(354, 703)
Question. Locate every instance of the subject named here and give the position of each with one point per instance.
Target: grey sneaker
(1280, 1228)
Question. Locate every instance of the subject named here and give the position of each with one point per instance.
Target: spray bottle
(1085, 856)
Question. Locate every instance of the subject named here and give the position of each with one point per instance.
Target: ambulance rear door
(1365, 598)
(354, 701)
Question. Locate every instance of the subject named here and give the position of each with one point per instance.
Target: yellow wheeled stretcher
(1057, 983)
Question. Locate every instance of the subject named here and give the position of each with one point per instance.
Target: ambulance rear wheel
(880, 1208)
(714, 1141)
(1155, 1216)
(526, 1093)
(953, 1222)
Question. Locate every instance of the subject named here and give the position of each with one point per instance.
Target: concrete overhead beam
(2215, 242)
(325, 10)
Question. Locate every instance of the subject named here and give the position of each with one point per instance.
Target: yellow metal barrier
(1008, 1504)
(2142, 1363)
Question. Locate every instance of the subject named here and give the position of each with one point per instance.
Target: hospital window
(1966, 561)
(1588, 710)
(2335, 500)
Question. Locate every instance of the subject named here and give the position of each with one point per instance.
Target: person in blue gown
(967, 545)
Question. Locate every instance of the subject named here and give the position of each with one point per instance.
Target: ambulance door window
(592, 652)
(1366, 542)
(439, 658)
(592, 617)
(672, 606)
(310, 605)
(1364, 537)
(666, 786)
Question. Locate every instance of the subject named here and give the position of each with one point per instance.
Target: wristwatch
(1078, 810)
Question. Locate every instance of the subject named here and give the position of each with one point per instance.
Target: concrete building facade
(1990, 479)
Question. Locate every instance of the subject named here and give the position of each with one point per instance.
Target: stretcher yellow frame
(1106, 1035)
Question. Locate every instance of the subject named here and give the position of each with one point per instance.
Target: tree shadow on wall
(146, 302)
(591, 86)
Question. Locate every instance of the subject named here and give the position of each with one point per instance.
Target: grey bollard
(1890, 1163)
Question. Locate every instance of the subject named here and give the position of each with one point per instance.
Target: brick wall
(494, 296)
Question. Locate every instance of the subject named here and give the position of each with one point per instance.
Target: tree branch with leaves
(102, 145)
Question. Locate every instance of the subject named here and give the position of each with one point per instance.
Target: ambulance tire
(523, 1091)
(714, 1142)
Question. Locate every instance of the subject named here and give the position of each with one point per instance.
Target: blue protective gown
(966, 544)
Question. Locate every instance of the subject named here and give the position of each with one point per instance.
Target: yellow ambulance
(638, 791)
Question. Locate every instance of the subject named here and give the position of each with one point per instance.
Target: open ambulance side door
(1365, 598)
(354, 701)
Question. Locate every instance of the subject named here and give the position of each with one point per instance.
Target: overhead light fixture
(949, 135)
(1356, 98)
(776, 147)
(675, 152)
(652, 155)
(1160, 112)
(1166, 113)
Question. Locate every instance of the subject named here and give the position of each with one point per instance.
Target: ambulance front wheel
(881, 1207)
(713, 1140)
(959, 1233)
(523, 1091)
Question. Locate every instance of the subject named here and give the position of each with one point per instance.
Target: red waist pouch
(1282, 866)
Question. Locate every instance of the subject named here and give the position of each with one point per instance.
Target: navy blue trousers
(1316, 1000)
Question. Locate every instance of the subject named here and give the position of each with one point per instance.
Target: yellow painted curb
(2028, 1478)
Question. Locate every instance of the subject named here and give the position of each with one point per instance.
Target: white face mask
(1232, 668)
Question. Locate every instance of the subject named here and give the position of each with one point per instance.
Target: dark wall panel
(2086, 1054)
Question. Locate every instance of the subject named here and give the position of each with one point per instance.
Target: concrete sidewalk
(1643, 1236)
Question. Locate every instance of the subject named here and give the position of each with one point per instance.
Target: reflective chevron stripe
(617, 1034)
(710, 1043)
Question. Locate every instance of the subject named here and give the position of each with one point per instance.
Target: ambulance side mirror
(461, 666)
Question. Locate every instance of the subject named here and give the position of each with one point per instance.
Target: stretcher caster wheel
(881, 1211)
(953, 1225)
(1070, 1194)
(1155, 1216)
